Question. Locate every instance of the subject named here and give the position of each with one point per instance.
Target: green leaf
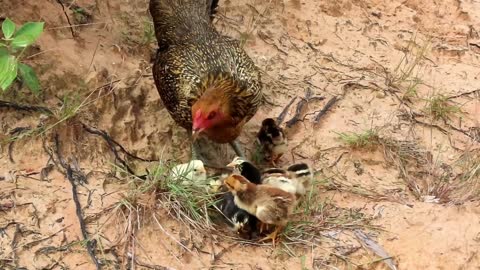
(8, 70)
(8, 28)
(3, 51)
(27, 34)
(29, 77)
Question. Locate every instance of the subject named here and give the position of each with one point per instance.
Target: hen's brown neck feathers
(220, 87)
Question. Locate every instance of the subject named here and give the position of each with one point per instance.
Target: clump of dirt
(389, 121)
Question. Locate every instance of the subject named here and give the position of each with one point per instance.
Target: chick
(191, 173)
(279, 178)
(240, 220)
(269, 204)
(246, 169)
(272, 140)
(303, 175)
(296, 179)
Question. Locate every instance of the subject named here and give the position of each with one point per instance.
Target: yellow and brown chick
(240, 220)
(272, 140)
(269, 204)
(207, 82)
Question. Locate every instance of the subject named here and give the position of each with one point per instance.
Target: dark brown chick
(269, 204)
(272, 140)
(207, 82)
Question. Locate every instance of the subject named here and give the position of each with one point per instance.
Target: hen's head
(215, 106)
(207, 114)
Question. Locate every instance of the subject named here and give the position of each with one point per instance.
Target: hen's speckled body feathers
(194, 57)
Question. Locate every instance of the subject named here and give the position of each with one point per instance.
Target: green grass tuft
(441, 108)
(367, 139)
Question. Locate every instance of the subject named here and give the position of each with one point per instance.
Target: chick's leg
(263, 227)
(236, 147)
(273, 235)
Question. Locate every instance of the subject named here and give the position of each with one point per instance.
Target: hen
(207, 82)
(269, 204)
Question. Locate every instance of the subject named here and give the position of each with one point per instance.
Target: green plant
(148, 33)
(12, 48)
(441, 108)
(366, 139)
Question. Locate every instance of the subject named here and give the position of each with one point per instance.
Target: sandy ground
(415, 193)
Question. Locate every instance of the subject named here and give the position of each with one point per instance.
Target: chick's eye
(211, 115)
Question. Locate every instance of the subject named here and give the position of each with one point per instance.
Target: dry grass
(406, 74)
(429, 179)
(433, 180)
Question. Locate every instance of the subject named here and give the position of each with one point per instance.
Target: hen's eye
(211, 115)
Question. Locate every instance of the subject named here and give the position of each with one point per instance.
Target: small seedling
(12, 47)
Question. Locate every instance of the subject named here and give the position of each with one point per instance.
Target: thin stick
(68, 18)
(21, 107)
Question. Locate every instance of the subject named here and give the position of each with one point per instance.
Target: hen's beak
(231, 164)
(196, 133)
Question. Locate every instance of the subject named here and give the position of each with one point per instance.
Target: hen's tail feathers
(182, 21)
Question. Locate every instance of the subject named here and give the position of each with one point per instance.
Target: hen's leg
(195, 151)
(238, 150)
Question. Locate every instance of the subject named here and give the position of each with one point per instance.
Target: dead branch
(219, 255)
(113, 147)
(112, 143)
(466, 133)
(23, 107)
(284, 112)
(300, 108)
(90, 245)
(376, 248)
(325, 109)
(464, 94)
(13, 245)
(74, 176)
(15, 132)
(151, 266)
(36, 242)
(68, 18)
